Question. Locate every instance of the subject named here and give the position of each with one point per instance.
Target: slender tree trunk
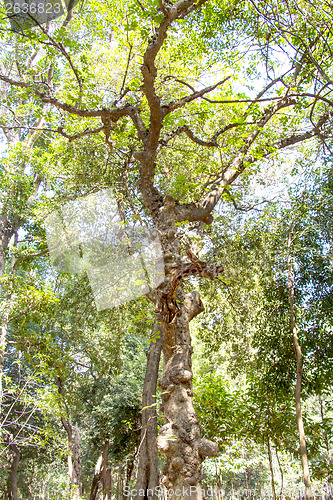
(104, 471)
(231, 483)
(218, 478)
(109, 485)
(68, 428)
(13, 471)
(119, 485)
(248, 483)
(328, 451)
(129, 470)
(148, 472)
(271, 468)
(4, 318)
(100, 476)
(5, 235)
(77, 465)
(299, 370)
(73, 460)
(281, 471)
(3, 339)
(258, 483)
(94, 487)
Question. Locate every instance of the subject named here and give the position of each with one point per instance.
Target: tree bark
(109, 485)
(104, 473)
(68, 428)
(180, 438)
(299, 370)
(148, 472)
(6, 232)
(129, 470)
(94, 487)
(119, 495)
(258, 483)
(13, 471)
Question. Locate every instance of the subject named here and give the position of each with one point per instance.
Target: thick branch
(114, 114)
(248, 208)
(30, 256)
(69, 15)
(59, 130)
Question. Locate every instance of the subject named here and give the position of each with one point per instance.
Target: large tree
(137, 80)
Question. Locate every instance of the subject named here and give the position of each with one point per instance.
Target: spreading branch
(211, 143)
(201, 210)
(114, 114)
(179, 103)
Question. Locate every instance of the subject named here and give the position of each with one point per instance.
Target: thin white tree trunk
(3, 342)
(148, 471)
(13, 471)
(299, 369)
(271, 468)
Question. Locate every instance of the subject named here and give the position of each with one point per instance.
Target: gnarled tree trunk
(180, 438)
